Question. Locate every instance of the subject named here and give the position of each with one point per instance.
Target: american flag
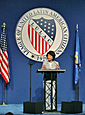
(4, 64)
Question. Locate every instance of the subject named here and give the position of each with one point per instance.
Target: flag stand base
(3, 103)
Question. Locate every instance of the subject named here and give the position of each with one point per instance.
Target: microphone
(31, 62)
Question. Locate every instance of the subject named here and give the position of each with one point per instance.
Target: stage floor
(17, 109)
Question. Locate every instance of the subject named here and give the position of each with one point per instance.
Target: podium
(50, 88)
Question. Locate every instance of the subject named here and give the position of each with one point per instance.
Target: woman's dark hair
(9, 113)
(52, 53)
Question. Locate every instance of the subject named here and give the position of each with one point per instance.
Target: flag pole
(4, 24)
(77, 90)
(77, 85)
(3, 93)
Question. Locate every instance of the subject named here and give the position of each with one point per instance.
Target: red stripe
(39, 37)
(39, 44)
(5, 63)
(32, 36)
(5, 55)
(2, 61)
(49, 46)
(0, 57)
(6, 59)
(43, 46)
(4, 69)
(35, 40)
(6, 72)
(29, 31)
(4, 77)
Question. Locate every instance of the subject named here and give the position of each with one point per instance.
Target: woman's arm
(43, 66)
(57, 66)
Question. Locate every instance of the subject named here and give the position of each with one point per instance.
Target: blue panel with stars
(3, 43)
(47, 25)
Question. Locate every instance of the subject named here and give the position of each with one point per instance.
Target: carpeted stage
(17, 109)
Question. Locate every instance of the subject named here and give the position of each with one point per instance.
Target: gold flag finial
(4, 24)
(77, 27)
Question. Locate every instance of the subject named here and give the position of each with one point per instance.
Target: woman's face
(49, 57)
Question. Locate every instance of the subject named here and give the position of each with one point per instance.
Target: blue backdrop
(18, 90)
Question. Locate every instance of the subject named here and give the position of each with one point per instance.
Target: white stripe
(5, 66)
(47, 46)
(5, 75)
(37, 41)
(40, 45)
(5, 59)
(6, 53)
(30, 33)
(0, 57)
(34, 38)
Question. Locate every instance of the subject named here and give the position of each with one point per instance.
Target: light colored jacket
(52, 66)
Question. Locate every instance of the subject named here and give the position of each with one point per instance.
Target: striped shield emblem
(37, 41)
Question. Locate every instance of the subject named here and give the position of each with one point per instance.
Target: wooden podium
(50, 88)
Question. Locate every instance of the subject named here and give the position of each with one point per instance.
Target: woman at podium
(50, 82)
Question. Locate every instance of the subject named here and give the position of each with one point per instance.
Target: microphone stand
(30, 81)
(31, 62)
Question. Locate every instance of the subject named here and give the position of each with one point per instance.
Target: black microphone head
(31, 62)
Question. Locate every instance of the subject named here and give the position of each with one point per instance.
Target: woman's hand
(43, 67)
(57, 66)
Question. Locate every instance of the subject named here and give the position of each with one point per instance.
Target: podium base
(33, 107)
(71, 107)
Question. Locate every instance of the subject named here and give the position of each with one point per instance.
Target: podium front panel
(50, 88)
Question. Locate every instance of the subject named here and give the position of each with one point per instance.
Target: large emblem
(40, 30)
